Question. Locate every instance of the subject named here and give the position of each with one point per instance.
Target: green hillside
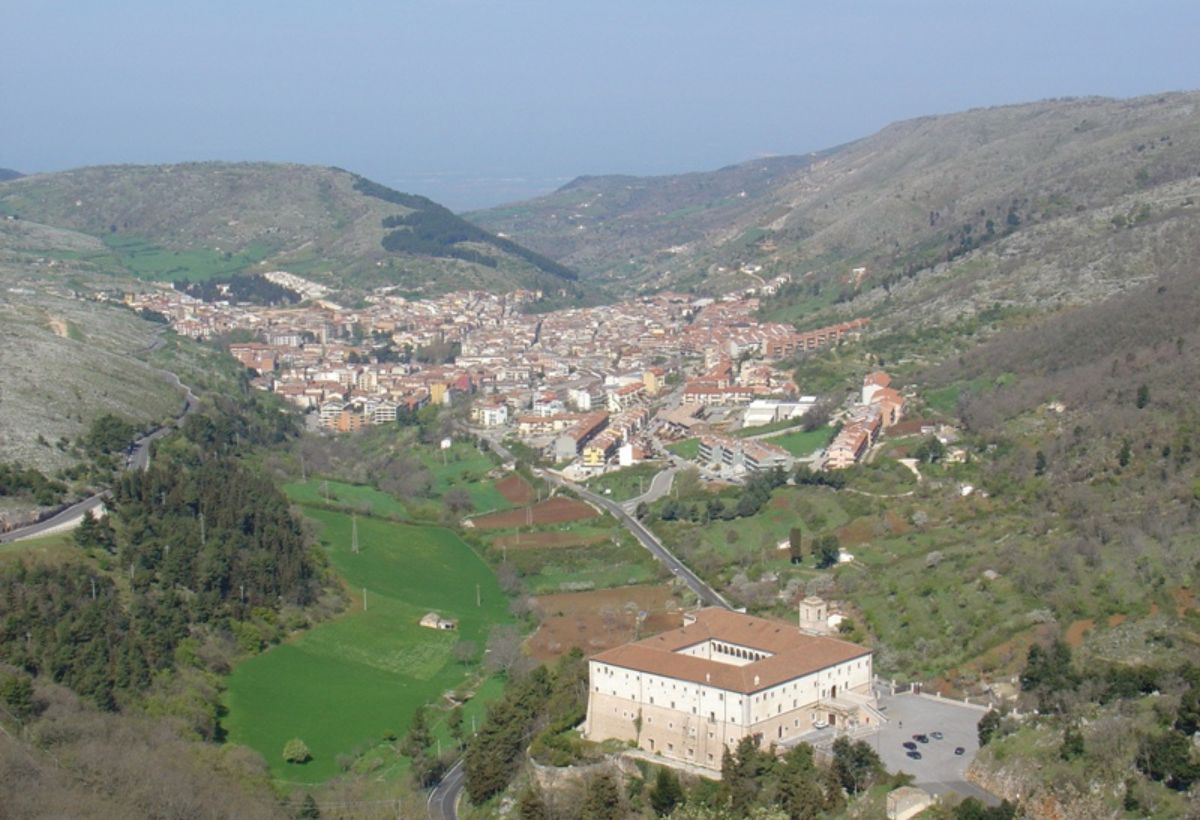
(201, 220)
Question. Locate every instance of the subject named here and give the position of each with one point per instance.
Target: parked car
(921, 738)
(936, 735)
(908, 744)
(915, 755)
(820, 724)
(958, 750)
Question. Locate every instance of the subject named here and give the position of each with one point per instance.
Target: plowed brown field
(601, 619)
(556, 510)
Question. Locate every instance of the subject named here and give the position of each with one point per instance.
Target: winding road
(443, 800)
(139, 459)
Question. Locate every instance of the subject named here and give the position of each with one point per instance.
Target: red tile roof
(793, 653)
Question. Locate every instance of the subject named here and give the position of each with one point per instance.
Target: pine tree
(666, 793)
(531, 805)
(603, 800)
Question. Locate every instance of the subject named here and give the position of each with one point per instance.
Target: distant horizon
(475, 103)
(459, 187)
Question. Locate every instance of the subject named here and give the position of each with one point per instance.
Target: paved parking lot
(939, 769)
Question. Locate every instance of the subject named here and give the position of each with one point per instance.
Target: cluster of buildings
(579, 384)
(881, 406)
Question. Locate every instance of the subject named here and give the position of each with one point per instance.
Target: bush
(296, 751)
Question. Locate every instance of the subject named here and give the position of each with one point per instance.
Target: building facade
(688, 694)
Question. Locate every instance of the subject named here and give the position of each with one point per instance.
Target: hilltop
(203, 220)
(8, 173)
(1042, 179)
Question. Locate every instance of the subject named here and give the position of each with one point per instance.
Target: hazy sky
(475, 102)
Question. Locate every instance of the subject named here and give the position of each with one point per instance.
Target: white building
(690, 693)
(493, 415)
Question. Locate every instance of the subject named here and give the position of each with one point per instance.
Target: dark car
(908, 744)
(936, 735)
(915, 755)
(959, 750)
(921, 738)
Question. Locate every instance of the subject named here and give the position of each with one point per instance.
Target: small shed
(432, 620)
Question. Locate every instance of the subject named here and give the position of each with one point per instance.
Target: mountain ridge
(194, 220)
(917, 193)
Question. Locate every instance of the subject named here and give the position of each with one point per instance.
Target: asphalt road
(707, 595)
(66, 516)
(443, 800)
(139, 459)
(660, 485)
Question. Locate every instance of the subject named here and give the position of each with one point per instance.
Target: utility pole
(202, 541)
(354, 533)
(478, 599)
(303, 471)
(93, 589)
(364, 599)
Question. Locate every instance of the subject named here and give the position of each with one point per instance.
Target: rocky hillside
(1039, 181)
(195, 221)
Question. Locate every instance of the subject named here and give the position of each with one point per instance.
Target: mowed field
(557, 510)
(601, 619)
(344, 684)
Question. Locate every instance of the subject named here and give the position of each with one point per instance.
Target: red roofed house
(873, 382)
(693, 692)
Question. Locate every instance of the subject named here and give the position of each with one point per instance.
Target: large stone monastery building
(688, 694)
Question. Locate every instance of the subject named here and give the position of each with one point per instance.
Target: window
(670, 747)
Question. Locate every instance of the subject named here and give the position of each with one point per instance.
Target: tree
(1187, 720)
(16, 693)
(458, 501)
(454, 722)
(796, 545)
(988, 725)
(741, 772)
(464, 651)
(1143, 396)
(603, 800)
(857, 765)
(1039, 463)
(503, 648)
(1072, 743)
(930, 450)
(799, 792)
(418, 737)
(296, 751)
(827, 550)
(666, 793)
(1167, 758)
(309, 809)
(531, 805)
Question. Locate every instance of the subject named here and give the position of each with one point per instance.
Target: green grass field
(344, 684)
(367, 500)
(149, 261)
(689, 448)
(464, 466)
(627, 483)
(803, 444)
(45, 549)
